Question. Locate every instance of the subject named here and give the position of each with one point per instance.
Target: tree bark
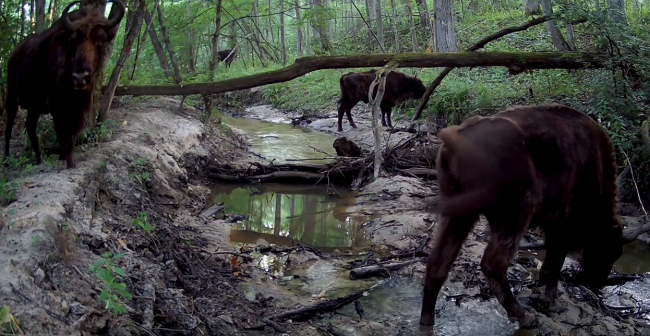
(22, 19)
(445, 26)
(380, 27)
(369, 14)
(425, 19)
(321, 26)
(556, 36)
(414, 37)
(157, 46)
(214, 50)
(533, 7)
(395, 25)
(570, 36)
(299, 30)
(283, 42)
(132, 33)
(305, 65)
(143, 38)
(168, 44)
(40, 15)
(191, 62)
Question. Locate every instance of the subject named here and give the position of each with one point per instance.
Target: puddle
(281, 141)
(635, 258)
(398, 300)
(280, 213)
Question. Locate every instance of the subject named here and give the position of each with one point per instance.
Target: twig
(275, 326)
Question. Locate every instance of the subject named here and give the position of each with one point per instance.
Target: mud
(276, 248)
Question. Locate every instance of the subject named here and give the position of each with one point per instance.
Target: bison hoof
(354, 126)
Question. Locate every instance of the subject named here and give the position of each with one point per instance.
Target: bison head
(415, 86)
(85, 34)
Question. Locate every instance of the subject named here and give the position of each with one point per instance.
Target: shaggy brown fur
(550, 166)
(223, 56)
(53, 71)
(355, 86)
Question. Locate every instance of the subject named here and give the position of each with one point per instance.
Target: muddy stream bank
(380, 220)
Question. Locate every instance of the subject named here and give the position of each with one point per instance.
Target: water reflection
(283, 141)
(279, 213)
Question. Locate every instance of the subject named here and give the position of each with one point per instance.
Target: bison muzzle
(53, 72)
(549, 166)
(355, 86)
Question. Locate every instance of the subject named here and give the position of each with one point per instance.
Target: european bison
(223, 56)
(53, 72)
(355, 86)
(550, 166)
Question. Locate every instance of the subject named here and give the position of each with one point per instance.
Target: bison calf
(223, 56)
(550, 166)
(53, 72)
(355, 86)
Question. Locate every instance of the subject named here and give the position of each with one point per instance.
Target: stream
(315, 215)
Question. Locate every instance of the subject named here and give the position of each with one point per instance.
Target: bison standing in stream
(53, 72)
(355, 86)
(550, 166)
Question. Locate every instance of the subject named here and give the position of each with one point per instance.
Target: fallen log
(380, 270)
(424, 172)
(305, 65)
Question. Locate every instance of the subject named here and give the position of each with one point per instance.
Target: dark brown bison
(550, 166)
(53, 71)
(223, 56)
(355, 86)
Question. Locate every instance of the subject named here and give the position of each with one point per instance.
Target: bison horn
(64, 17)
(120, 14)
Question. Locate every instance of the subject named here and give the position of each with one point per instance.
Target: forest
(195, 206)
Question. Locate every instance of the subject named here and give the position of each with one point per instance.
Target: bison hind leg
(506, 232)
(451, 233)
(30, 124)
(556, 251)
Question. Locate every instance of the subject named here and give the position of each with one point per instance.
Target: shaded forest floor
(142, 195)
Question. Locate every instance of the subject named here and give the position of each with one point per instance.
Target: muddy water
(282, 141)
(281, 213)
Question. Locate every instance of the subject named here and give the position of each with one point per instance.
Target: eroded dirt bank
(181, 271)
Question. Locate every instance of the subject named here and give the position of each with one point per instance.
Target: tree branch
(478, 45)
(305, 65)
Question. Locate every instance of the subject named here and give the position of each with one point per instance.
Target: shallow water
(280, 213)
(282, 141)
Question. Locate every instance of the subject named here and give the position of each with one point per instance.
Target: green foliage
(141, 171)
(7, 191)
(143, 222)
(111, 275)
(8, 323)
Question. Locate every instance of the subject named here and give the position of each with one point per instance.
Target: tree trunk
(191, 62)
(143, 38)
(168, 44)
(369, 14)
(425, 19)
(380, 27)
(617, 11)
(445, 26)
(321, 26)
(283, 44)
(32, 17)
(40, 15)
(414, 37)
(395, 25)
(132, 33)
(157, 46)
(570, 36)
(299, 30)
(533, 7)
(597, 5)
(22, 19)
(556, 36)
(270, 22)
(214, 50)
(515, 61)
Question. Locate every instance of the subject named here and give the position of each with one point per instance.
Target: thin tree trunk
(132, 33)
(395, 25)
(321, 27)
(157, 47)
(32, 17)
(414, 37)
(40, 15)
(299, 30)
(556, 36)
(570, 36)
(191, 62)
(617, 11)
(270, 23)
(214, 54)
(48, 14)
(283, 44)
(369, 14)
(445, 26)
(143, 38)
(168, 44)
(22, 18)
(425, 19)
(380, 27)
(352, 25)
